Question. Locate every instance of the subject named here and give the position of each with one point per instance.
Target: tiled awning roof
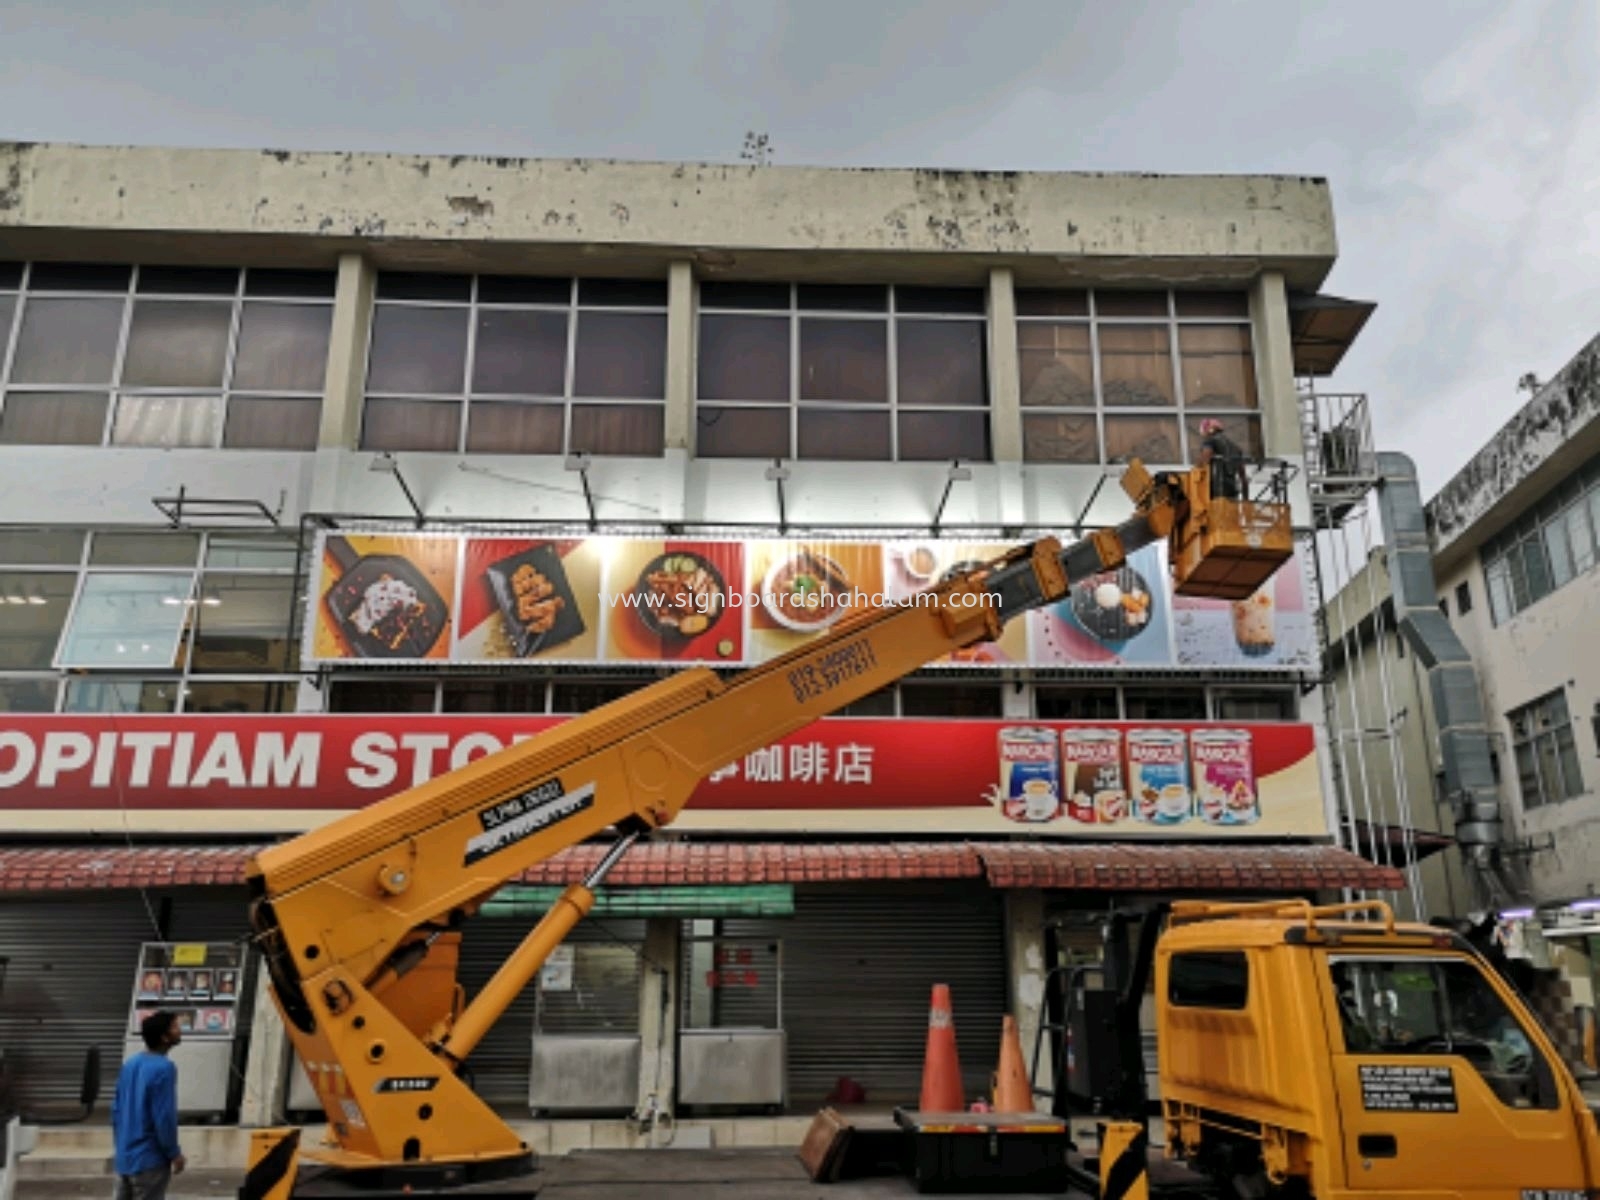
(1099, 866)
(1159, 868)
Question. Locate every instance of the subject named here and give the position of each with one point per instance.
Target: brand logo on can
(1158, 771)
(1093, 786)
(1224, 777)
(1030, 784)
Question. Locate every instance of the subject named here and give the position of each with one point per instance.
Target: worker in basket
(1226, 460)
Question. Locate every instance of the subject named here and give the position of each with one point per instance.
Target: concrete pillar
(1274, 355)
(680, 356)
(1025, 975)
(658, 1014)
(266, 1072)
(1005, 386)
(347, 354)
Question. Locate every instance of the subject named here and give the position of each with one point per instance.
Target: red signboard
(1119, 779)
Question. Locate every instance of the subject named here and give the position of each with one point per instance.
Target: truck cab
(1305, 1051)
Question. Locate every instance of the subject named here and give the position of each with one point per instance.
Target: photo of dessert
(1273, 627)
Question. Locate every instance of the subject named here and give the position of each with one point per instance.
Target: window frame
(1229, 958)
(572, 309)
(1544, 537)
(796, 315)
(1180, 410)
(115, 390)
(1542, 746)
(181, 670)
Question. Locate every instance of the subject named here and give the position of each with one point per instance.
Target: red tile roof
(1149, 868)
(1117, 866)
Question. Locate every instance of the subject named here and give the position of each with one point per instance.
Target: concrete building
(1514, 538)
(230, 376)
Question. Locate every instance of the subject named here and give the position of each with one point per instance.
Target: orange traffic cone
(1012, 1092)
(941, 1069)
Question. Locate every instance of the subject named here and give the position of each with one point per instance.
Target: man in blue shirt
(144, 1114)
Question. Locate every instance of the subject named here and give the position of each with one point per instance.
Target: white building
(225, 370)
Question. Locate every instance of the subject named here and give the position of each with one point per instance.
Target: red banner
(929, 776)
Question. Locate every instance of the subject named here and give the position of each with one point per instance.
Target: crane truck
(359, 922)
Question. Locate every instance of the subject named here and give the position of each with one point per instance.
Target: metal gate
(66, 989)
(604, 996)
(859, 965)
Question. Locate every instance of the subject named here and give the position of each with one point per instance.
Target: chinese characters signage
(888, 776)
(390, 598)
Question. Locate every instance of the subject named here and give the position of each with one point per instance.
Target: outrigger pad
(503, 1179)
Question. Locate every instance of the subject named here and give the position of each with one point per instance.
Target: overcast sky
(1461, 139)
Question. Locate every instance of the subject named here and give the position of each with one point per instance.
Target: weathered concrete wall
(1548, 646)
(1525, 457)
(1109, 225)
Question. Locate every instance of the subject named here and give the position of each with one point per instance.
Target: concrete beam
(464, 212)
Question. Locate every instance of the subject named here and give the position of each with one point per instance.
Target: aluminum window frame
(1180, 410)
(1543, 736)
(181, 670)
(1548, 520)
(795, 314)
(115, 390)
(573, 309)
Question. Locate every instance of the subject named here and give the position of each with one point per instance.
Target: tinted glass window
(1219, 979)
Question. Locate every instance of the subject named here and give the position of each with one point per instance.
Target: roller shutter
(604, 996)
(68, 986)
(859, 965)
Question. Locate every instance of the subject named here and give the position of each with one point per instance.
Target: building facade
(234, 381)
(1514, 538)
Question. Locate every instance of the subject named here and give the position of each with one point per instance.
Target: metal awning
(712, 900)
(1322, 328)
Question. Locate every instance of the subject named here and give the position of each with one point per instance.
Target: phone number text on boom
(827, 672)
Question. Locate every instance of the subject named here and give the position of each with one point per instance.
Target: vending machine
(205, 984)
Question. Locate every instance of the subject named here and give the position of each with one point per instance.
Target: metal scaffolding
(1342, 477)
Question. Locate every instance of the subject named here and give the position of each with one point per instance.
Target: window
(494, 695)
(1557, 540)
(579, 695)
(121, 694)
(880, 703)
(1205, 979)
(1056, 703)
(1435, 1006)
(381, 696)
(1165, 703)
(1109, 375)
(1463, 597)
(510, 365)
(219, 605)
(1255, 704)
(164, 356)
(1547, 757)
(28, 695)
(950, 700)
(842, 372)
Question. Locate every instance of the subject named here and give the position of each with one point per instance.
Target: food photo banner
(1075, 778)
(398, 599)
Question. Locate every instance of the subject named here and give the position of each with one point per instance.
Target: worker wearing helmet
(1222, 454)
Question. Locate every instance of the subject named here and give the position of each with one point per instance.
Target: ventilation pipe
(1452, 679)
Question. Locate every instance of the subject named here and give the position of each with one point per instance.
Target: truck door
(1441, 1088)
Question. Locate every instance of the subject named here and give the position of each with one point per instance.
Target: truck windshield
(1437, 1006)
